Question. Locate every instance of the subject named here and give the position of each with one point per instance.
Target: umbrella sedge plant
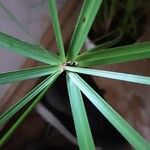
(74, 63)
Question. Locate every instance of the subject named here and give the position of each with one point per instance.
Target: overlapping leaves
(57, 64)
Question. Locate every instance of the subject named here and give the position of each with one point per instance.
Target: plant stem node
(71, 63)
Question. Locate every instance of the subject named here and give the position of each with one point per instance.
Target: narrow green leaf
(115, 55)
(128, 12)
(82, 127)
(27, 98)
(28, 50)
(25, 74)
(131, 135)
(112, 9)
(12, 129)
(108, 35)
(56, 26)
(105, 45)
(86, 18)
(112, 75)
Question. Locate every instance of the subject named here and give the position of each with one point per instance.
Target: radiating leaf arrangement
(56, 64)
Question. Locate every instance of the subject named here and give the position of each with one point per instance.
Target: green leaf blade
(131, 135)
(56, 26)
(27, 98)
(25, 74)
(28, 50)
(12, 129)
(106, 44)
(112, 75)
(115, 55)
(84, 135)
(86, 18)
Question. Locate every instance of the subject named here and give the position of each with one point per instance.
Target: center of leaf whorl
(71, 63)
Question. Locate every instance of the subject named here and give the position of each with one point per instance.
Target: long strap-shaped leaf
(112, 75)
(115, 55)
(27, 98)
(28, 50)
(56, 26)
(87, 15)
(12, 129)
(131, 135)
(106, 44)
(25, 74)
(82, 127)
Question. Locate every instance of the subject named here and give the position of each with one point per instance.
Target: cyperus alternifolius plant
(72, 62)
